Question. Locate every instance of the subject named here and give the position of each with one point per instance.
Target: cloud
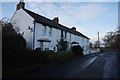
(47, 9)
(75, 14)
(91, 11)
(84, 11)
(0, 10)
(62, 0)
(65, 11)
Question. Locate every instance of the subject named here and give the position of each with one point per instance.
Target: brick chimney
(73, 28)
(20, 5)
(56, 19)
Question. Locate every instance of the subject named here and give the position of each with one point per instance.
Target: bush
(14, 52)
(51, 56)
(48, 56)
(37, 51)
(77, 50)
(11, 38)
(17, 58)
(25, 57)
(62, 45)
(63, 55)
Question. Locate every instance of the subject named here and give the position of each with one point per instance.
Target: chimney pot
(73, 28)
(20, 5)
(56, 19)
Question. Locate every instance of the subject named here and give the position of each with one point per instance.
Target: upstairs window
(50, 32)
(87, 40)
(65, 34)
(73, 37)
(61, 33)
(44, 31)
(82, 39)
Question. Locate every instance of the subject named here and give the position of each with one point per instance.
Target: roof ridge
(44, 20)
(35, 13)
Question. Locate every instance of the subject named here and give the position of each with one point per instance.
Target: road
(99, 65)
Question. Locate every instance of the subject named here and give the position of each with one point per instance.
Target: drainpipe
(70, 41)
(34, 35)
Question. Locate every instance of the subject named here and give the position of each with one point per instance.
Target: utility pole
(98, 40)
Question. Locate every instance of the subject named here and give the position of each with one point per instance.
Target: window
(65, 34)
(82, 39)
(54, 48)
(61, 33)
(46, 48)
(50, 32)
(41, 45)
(44, 31)
(87, 40)
(73, 37)
(46, 45)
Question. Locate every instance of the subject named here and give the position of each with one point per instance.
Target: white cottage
(41, 32)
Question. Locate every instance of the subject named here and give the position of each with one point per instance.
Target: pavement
(99, 65)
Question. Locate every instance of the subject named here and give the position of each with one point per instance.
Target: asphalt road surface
(98, 65)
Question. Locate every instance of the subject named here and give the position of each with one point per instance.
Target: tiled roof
(40, 19)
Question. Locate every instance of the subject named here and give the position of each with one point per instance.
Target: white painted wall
(83, 42)
(86, 47)
(39, 33)
(23, 21)
(69, 40)
(56, 35)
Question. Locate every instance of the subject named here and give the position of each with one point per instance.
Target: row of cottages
(41, 32)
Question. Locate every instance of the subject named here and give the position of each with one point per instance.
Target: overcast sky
(88, 17)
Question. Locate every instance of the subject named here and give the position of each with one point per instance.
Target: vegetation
(11, 39)
(51, 56)
(62, 45)
(63, 55)
(15, 54)
(14, 51)
(112, 39)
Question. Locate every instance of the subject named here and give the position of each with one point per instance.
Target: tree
(108, 39)
(117, 37)
(62, 45)
(11, 39)
(91, 45)
(112, 39)
(96, 44)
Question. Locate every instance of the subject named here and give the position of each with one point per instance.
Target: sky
(88, 16)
